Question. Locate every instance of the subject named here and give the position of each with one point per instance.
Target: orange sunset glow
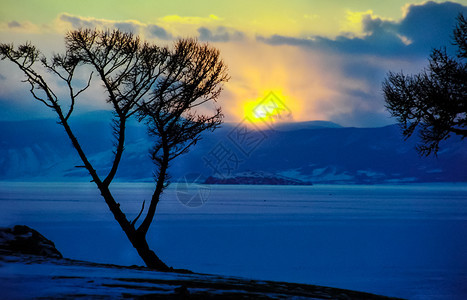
(325, 61)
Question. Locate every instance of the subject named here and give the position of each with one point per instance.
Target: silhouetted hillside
(320, 152)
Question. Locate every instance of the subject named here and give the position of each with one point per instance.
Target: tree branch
(139, 215)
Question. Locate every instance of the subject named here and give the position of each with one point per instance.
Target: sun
(267, 110)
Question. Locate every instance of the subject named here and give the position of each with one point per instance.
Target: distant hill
(317, 152)
(293, 126)
(306, 125)
(255, 178)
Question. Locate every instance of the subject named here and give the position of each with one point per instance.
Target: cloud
(220, 34)
(178, 24)
(159, 32)
(128, 26)
(423, 27)
(374, 44)
(353, 24)
(20, 27)
(77, 22)
(81, 22)
(14, 24)
(432, 23)
(315, 85)
(135, 27)
(189, 25)
(359, 59)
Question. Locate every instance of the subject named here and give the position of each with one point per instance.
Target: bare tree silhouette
(160, 86)
(434, 100)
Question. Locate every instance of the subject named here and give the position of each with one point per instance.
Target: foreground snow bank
(24, 276)
(31, 267)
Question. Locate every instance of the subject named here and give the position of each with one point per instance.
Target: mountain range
(315, 151)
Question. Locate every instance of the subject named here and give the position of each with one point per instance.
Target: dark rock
(23, 239)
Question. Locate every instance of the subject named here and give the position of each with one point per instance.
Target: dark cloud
(127, 27)
(220, 34)
(78, 22)
(14, 24)
(432, 23)
(159, 32)
(424, 27)
(381, 44)
(377, 26)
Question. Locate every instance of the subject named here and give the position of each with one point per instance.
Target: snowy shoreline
(28, 276)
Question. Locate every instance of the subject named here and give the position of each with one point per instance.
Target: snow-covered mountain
(318, 152)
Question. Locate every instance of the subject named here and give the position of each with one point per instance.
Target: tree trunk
(150, 258)
(137, 239)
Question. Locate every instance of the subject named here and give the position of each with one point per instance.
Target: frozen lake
(406, 241)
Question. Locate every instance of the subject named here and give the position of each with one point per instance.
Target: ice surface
(401, 240)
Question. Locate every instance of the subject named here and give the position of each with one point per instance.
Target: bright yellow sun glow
(268, 109)
(264, 69)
